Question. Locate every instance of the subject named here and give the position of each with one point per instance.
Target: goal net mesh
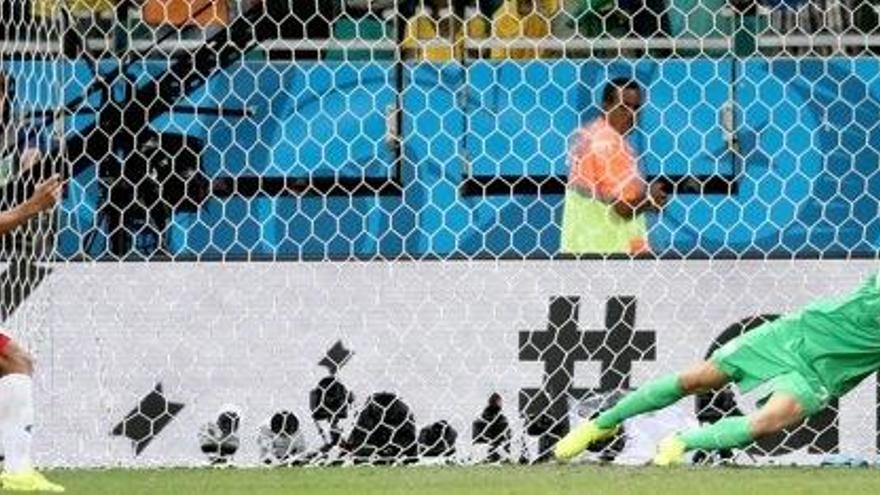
(365, 231)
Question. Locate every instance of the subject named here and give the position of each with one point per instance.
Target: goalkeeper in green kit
(804, 359)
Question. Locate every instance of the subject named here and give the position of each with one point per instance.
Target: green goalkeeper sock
(651, 396)
(723, 434)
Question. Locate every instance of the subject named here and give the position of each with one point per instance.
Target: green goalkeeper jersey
(840, 338)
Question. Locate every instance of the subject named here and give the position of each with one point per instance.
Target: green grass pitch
(481, 480)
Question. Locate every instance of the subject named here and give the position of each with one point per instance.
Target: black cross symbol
(147, 419)
(562, 345)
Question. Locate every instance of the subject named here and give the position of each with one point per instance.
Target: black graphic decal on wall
(562, 345)
(147, 420)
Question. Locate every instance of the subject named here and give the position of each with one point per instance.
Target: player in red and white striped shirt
(16, 368)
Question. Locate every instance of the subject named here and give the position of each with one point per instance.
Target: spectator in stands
(187, 19)
(13, 19)
(594, 19)
(16, 156)
(432, 32)
(647, 18)
(606, 198)
(523, 20)
(365, 20)
(825, 17)
(478, 24)
(437, 30)
(90, 22)
(615, 18)
(186, 12)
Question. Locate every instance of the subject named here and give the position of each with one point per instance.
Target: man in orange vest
(606, 198)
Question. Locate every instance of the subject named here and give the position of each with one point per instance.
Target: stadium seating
(185, 12)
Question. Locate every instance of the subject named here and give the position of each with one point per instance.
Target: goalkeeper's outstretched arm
(46, 194)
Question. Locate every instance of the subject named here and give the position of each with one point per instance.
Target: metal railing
(559, 46)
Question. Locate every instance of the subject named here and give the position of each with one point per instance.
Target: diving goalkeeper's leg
(651, 396)
(16, 421)
(793, 397)
(780, 411)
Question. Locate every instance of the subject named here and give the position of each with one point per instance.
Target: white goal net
(366, 231)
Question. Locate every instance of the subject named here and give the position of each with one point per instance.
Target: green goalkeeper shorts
(767, 357)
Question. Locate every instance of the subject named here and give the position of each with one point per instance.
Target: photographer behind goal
(281, 441)
(219, 439)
